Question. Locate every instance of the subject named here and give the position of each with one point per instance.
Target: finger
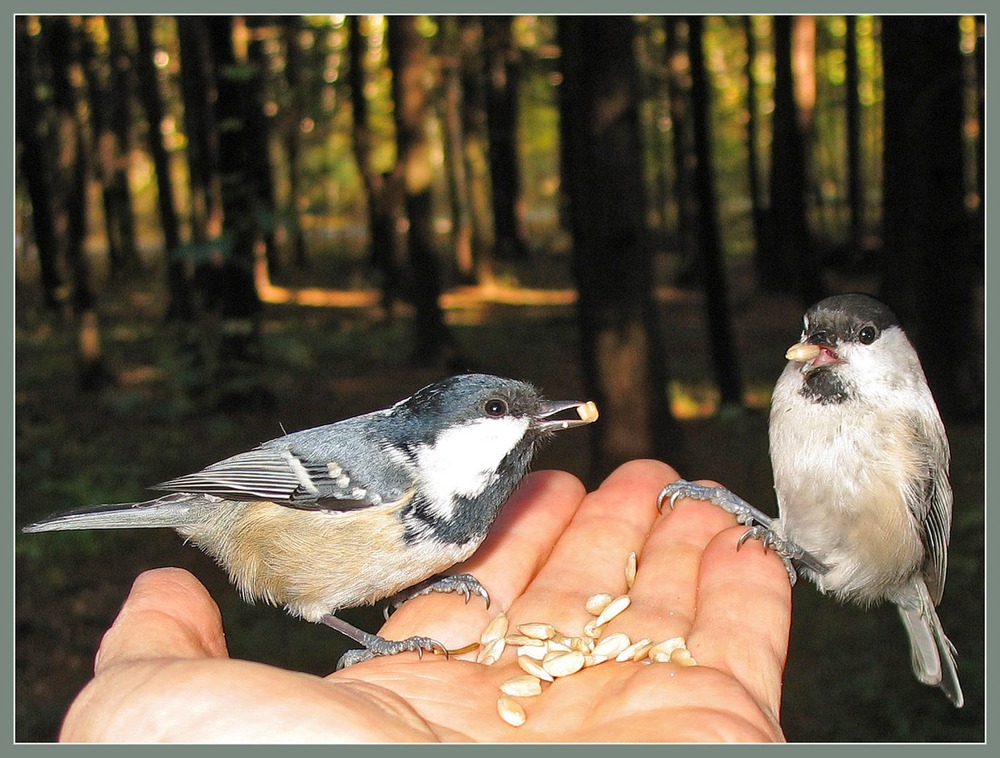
(167, 614)
(591, 553)
(664, 598)
(743, 615)
(518, 544)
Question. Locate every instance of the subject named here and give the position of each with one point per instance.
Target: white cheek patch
(463, 461)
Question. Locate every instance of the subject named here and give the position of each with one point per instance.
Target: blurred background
(228, 226)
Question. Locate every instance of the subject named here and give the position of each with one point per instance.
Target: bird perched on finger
(363, 509)
(860, 460)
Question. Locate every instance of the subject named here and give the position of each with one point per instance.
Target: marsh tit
(367, 508)
(860, 461)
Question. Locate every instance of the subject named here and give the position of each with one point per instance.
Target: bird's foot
(760, 524)
(375, 646)
(465, 584)
(720, 496)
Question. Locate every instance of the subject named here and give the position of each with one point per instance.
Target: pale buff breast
(316, 562)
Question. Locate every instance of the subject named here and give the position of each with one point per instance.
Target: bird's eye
(868, 335)
(495, 407)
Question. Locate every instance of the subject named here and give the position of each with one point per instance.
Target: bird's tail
(931, 652)
(168, 511)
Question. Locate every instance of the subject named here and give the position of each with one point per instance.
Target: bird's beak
(811, 354)
(563, 414)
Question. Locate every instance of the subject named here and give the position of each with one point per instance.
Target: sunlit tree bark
(178, 284)
(382, 189)
(108, 105)
(454, 148)
(408, 57)
(712, 271)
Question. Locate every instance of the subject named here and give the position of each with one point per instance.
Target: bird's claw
(783, 549)
(720, 496)
(465, 584)
(379, 646)
(759, 523)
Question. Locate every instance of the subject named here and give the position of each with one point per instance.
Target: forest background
(231, 225)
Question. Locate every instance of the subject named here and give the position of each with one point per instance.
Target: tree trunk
(34, 133)
(603, 178)
(197, 92)
(502, 77)
(108, 107)
(713, 273)
(178, 285)
(788, 266)
(679, 93)
(228, 281)
(758, 211)
(70, 194)
(930, 271)
(408, 59)
(293, 76)
(454, 149)
(855, 198)
(384, 200)
(476, 145)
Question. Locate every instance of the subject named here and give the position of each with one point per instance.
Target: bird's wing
(285, 476)
(937, 502)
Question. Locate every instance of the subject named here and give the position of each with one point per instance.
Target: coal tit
(367, 508)
(860, 460)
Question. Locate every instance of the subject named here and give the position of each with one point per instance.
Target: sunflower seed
(613, 608)
(661, 651)
(564, 664)
(636, 651)
(535, 652)
(612, 645)
(682, 657)
(523, 685)
(491, 653)
(496, 629)
(594, 659)
(511, 711)
(597, 603)
(592, 630)
(537, 631)
(556, 646)
(521, 639)
(533, 667)
(630, 569)
(584, 644)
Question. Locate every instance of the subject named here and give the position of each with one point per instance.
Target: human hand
(163, 673)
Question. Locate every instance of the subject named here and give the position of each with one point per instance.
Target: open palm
(163, 673)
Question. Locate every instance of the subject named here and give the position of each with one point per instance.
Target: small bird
(371, 507)
(860, 461)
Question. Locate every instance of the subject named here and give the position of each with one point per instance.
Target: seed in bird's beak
(802, 352)
(566, 414)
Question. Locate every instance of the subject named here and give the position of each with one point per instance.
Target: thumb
(167, 614)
